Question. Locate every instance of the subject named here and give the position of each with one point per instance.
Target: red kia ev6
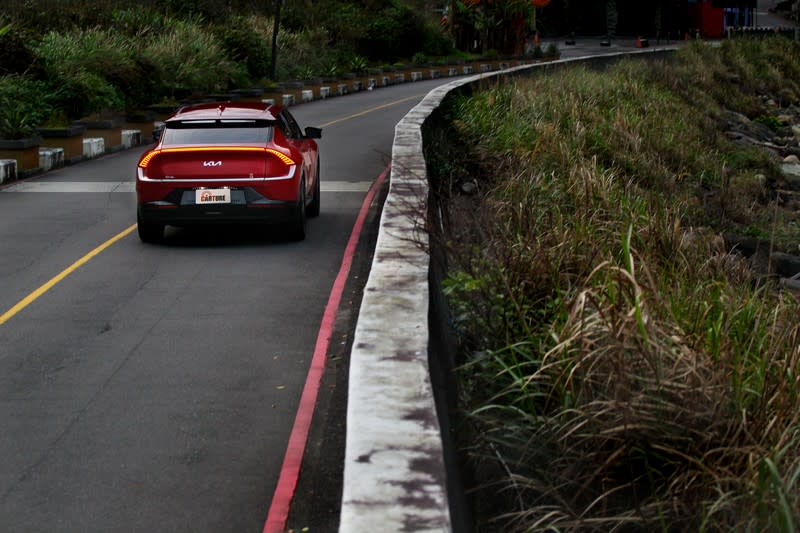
(229, 162)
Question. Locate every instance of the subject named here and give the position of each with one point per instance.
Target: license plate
(212, 196)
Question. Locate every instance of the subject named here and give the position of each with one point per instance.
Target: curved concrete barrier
(395, 478)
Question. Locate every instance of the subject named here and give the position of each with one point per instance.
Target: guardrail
(395, 473)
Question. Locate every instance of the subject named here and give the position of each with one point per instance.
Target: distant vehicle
(229, 162)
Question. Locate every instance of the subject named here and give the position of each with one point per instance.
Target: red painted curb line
(290, 471)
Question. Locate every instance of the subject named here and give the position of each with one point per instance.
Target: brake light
(150, 155)
(283, 157)
(146, 159)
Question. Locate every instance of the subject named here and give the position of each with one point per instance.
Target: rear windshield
(217, 131)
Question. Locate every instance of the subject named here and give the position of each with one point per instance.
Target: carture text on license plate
(213, 196)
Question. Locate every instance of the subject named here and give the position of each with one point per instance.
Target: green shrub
(436, 42)
(384, 31)
(87, 69)
(188, 58)
(23, 106)
(246, 42)
(769, 121)
(345, 26)
(307, 51)
(42, 16)
(357, 63)
(141, 22)
(331, 70)
(394, 31)
(15, 55)
(214, 9)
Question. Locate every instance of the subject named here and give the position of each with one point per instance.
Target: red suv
(229, 162)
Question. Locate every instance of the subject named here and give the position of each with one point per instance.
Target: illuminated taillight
(146, 159)
(283, 157)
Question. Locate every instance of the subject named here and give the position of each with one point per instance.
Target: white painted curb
(93, 147)
(50, 158)
(131, 138)
(8, 170)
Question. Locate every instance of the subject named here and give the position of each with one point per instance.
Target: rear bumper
(247, 206)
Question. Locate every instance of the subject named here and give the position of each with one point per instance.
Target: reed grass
(621, 369)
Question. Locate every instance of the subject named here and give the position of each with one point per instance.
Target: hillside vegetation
(67, 59)
(626, 363)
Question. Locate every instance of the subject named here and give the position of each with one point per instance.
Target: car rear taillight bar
(288, 161)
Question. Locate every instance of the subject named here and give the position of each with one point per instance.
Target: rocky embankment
(779, 134)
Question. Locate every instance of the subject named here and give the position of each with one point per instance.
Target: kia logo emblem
(212, 163)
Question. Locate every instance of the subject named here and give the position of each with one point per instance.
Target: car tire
(149, 232)
(313, 207)
(297, 229)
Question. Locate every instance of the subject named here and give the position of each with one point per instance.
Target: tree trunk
(275, 28)
(611, 18)
(659, 18)
(485, 40)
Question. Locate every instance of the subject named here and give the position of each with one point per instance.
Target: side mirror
(313, 133)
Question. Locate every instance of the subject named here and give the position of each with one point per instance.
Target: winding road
(154, 388)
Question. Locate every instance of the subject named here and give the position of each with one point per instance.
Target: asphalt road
(153, 388)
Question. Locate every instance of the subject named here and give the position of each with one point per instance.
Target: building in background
(653, 18)
(656, 19)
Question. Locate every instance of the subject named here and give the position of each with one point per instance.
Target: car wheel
(313, 207)
(297, 229)
(149, 232)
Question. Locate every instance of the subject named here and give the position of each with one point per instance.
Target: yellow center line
(370, 110)
(32, 297)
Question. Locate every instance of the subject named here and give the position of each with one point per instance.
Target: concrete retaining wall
(395, 474)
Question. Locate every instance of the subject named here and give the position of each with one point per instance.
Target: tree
(500, 24)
